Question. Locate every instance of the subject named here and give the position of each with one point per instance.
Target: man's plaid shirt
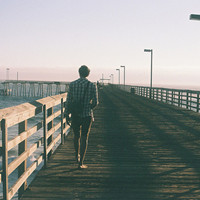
(76, 93)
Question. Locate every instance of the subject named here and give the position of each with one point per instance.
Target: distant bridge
(32, 88)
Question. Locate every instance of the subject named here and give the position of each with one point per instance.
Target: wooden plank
(53, 100)
(45, 134)
(15, 163)
(66, 129)
(49, 127)
(197, 108)
(53, 116)
(62, 122)
(53, 130)
(26, 112)
(22, 179)
(24, 135)
(1, 150)
(22, 147)
(53, 143)
(17, 114)
(5, 158)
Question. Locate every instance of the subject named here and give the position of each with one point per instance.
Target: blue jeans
(81, 128)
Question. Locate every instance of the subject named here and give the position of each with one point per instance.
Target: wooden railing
(47, 124)
(189, 99)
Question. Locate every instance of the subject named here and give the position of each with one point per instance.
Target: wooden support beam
(45, 134)
(5, 158)
(49, 127)
(22, 147)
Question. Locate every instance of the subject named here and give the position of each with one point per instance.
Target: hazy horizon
(50, 40)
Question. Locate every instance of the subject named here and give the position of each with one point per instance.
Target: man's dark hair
(84, 71)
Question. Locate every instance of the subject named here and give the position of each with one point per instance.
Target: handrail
(54, 130)
(189, 99)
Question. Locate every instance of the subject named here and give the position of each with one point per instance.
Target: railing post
(45, 133)
(182, 98)
(146, 92)
(49, 127)
(21, 148)
(62, 125)
(161, 94)
(179, 98)
(191, 97)
(152, 90)
(198, 102)
(166, 97)
(187, 98)
(157, 98)
(4, 158)
(172, 97)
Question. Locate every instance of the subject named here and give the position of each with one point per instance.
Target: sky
(50, 40)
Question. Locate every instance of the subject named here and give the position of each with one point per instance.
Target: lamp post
(124, 75)
(102, 79)
(151, 51)
(194, 17)
(7, 73)
(119, 75)
(111, 76)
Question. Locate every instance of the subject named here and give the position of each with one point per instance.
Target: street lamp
(194, 17)
(124, 74)
(119, 75)
(150, 50)
(7, 73)
(111, 76)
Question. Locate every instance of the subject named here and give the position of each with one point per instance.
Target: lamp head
(194, 17)
(147, 50)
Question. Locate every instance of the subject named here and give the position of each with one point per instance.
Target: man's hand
(68, 119)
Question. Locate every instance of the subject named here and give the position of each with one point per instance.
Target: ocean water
(9, 101)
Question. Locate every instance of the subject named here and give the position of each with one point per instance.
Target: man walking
(84, 96)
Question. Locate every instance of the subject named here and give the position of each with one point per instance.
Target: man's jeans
(81, 128)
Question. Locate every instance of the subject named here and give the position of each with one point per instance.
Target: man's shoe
(82, 166)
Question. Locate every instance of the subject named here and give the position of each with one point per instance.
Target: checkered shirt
(76, 93)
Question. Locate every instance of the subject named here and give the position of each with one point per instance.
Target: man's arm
(68, 101)
(95, 100)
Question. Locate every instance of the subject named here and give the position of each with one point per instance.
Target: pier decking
(138, 149)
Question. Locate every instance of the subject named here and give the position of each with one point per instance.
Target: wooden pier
(32, 88)
(139, 148)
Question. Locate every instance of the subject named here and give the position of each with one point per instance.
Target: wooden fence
(47, 115)
(188, 99)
